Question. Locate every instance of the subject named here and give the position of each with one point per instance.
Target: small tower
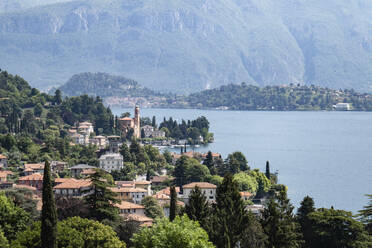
(137, 123)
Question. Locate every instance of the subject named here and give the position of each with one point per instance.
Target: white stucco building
(111, 161)
(208, 189)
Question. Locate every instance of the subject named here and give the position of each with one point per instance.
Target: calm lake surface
(326, 155)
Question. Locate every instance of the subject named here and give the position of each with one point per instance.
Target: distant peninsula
(118, 91)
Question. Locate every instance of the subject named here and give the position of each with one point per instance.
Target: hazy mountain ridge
(186, 46)
(104, 85)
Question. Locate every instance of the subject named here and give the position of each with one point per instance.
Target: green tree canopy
(279, 224)
(182, 232)
(307, 207)
(152, 207)
(13, 219)
(337, 228)
(72, 232)
(198, 208)
(101, 201)
(230, 217)
(365, 215)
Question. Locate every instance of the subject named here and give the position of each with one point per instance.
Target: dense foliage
(292, 97)
(181, 232)
(72, 232)
(190, 130)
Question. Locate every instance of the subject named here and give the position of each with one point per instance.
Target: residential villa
(73, 187)
(58, 166)
(99, 141)
(33, 168)
(76, 171)
(111, 161)
(126, 207)
(208, 189)
(34, 180)
(246, 196)
(151, 132)
(134, 212)
(3, 161)
(134, 195)
(4, 176)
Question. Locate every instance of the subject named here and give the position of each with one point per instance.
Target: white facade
(111, 161)
(208, 189)
(342, 106)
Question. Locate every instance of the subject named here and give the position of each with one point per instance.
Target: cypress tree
(173, 203)
(48, 212)
(307, 207)
(197, 208)
(268, 170)
(230, 217)
(208, 161)
(153, 122)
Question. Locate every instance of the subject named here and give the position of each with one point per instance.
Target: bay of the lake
(326, 155)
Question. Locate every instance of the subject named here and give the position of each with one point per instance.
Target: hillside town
(75, 180)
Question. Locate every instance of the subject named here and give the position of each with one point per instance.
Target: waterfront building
(342, 106)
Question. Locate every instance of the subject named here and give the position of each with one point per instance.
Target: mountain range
(187, 46)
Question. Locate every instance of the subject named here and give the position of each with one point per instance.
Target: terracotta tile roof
(88, 172)
(246, 194)
(37, 166)
(167, 190)
(142, 182)
(161, 196)
(126, 119)
(32, 177)
(2, 156)
(6, 172)
(146, 221)
(201, 185)
(128, 190)
(21, 186)
(73, 184)
(129, 205)
(214, 155)
(61, 180)
(160, 179)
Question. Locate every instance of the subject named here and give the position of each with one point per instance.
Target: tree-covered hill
(104, 85)
(188, 46)
(24, 109)
(291, 97)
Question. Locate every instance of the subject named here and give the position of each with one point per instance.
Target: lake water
(326, 155)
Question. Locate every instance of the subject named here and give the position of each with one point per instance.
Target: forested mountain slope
(186, 46)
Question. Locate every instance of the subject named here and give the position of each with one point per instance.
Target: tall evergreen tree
(198, 208)
(230, 217)
(48, 212)
(101, 201)
(173, 203)
(279, 223)
(307, 207)
(268, 175)
(208, 161)
(124, 151)
(153, 122)
(366, 215)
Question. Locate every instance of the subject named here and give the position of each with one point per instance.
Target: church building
(128, 123)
